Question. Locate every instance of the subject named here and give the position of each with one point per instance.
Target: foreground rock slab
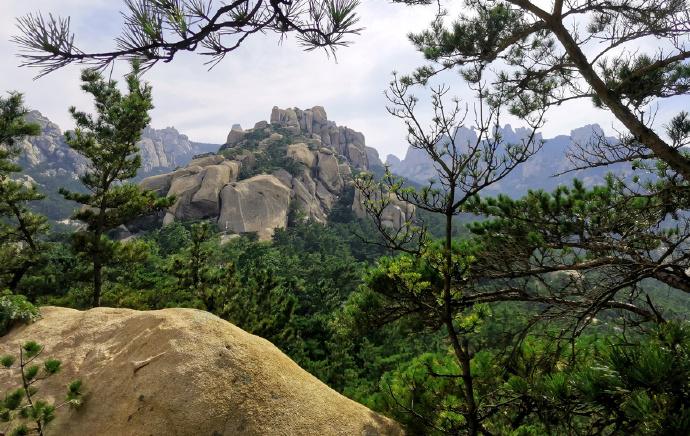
(181, 372)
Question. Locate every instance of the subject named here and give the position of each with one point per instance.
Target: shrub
(15, 308)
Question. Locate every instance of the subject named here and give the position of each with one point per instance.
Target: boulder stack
(308, 163)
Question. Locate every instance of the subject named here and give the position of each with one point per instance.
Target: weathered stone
(180, 372)
(290, 115)
(246, 158)
(275, 115)
(393, 215)
(329, 173)
(235, 136)
(182, 172)
(206, 198)
(326, 198)
(335, 137)
(159, 183)
(275, 137)
(342, 139)
(259, 204)
(373, 157)
(301, 153)
(304, 189)
(284, 177)
(168, 219)
(293, 130)
(185, 187)
(234, 166)
(206, 161)
(309, 121)
(325, 136)
(357, 154)
(261, 125)
(319, 115)
(345, 169)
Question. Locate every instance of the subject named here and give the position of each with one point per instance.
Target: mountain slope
(49, 155)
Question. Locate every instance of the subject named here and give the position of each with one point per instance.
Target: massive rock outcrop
(180, 372)
(315, 124)
(259, 204)
(261, 173)
(49, 150)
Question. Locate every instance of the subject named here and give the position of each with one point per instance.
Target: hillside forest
(560, 312)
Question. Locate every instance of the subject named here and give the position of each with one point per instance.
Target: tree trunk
(97, 270)
(461, 350)
(640, 131)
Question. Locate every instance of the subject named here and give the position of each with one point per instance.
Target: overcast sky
(261, 74)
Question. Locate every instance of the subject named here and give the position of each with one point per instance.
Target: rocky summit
(180, 372)
(299, 162)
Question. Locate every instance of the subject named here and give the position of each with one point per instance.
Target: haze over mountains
(49, 155)
(537, 173)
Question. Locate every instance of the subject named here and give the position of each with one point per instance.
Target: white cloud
(249, 82)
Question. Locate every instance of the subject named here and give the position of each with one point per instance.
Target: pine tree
(109, 140)
(21, 406)
(19, 228)
(158, 30)
(428, 285)
(626, 56)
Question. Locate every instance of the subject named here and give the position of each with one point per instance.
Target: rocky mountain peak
(314, 124)
(300, 161)
(48, 154)
(583, 134)
(537, 173)
(47, 126)
(163, 148)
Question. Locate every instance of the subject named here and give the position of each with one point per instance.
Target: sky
(263, 73)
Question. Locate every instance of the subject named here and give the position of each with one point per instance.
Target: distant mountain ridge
(48, 161)
(537, 173)
(48, 155)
